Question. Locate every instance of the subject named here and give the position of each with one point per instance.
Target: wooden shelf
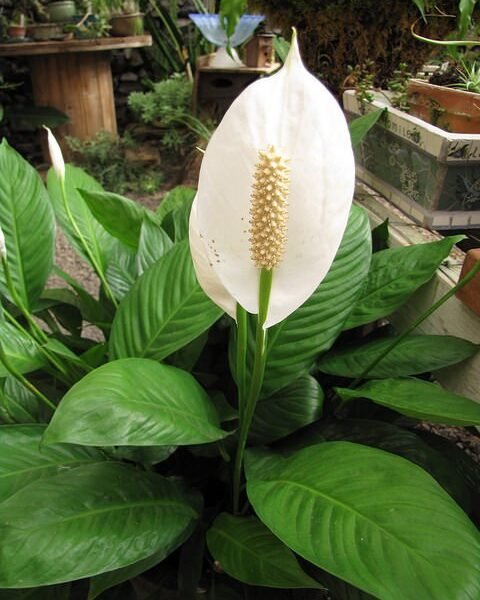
(74, 46)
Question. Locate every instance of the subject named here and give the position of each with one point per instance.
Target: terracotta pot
(17, 32)
(127, 25)
(470, 294)
(450, 109)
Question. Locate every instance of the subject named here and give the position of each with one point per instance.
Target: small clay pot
(127, 25)
(17, 32)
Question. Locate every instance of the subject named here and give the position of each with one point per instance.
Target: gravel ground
(69, 261)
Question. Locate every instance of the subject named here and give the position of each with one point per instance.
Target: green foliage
(111, 161)
(167, 100)
(363, 79)
(169, 106)
(398, 85)
(108, 448)
(375, 504)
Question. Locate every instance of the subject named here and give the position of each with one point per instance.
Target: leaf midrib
(18, 253)
(184, 508)
(177, 411)
(158, 331)
(348, 508)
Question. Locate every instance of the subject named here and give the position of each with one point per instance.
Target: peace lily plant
(271, 209)
(121, 458)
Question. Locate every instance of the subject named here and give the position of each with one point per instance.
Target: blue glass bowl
(211, 27)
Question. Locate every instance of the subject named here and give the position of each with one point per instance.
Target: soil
(448, 77)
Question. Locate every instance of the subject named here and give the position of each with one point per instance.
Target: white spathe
(3, 247)
(206, 276)
(293, 112)
(56, 155)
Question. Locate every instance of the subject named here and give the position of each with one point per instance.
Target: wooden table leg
(80, 85)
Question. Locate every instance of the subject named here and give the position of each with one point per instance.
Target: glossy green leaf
(28, 224)
(294, 344)
(418, 399)
(107, 515)
(120, 216)
(296, 405)
(176, 221)
(165, 310)
(369, 517)
(96, 237)
(176, 198)
(135, 402)
(414, 354)
(56, 347)
(122, 271)
(360, 126)
(154, 242)
(23, 460)
(18, 404)
(249, 552)
(91, 309)
(391, 438)
(21, 351)
(395, 273)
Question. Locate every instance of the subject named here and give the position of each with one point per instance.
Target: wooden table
(75, 77)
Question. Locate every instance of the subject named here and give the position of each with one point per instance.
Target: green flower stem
(37, 335)
(19, 377)
(248, 411)
(48, 355)
(36, 331)
(92, 259)
(468, 277)
(241, 357)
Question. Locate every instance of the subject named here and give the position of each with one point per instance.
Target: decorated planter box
(429, 173)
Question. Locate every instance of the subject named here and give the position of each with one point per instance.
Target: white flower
(56, 155)
(275, 190)
(3, 247)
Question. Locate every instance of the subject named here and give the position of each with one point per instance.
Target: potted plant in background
(48, 18)
(449, 98)
(17, 30)
(432, 174)
(124, 15)
(61, 11)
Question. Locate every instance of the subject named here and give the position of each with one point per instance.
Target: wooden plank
(453, 317)
(73, 46)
